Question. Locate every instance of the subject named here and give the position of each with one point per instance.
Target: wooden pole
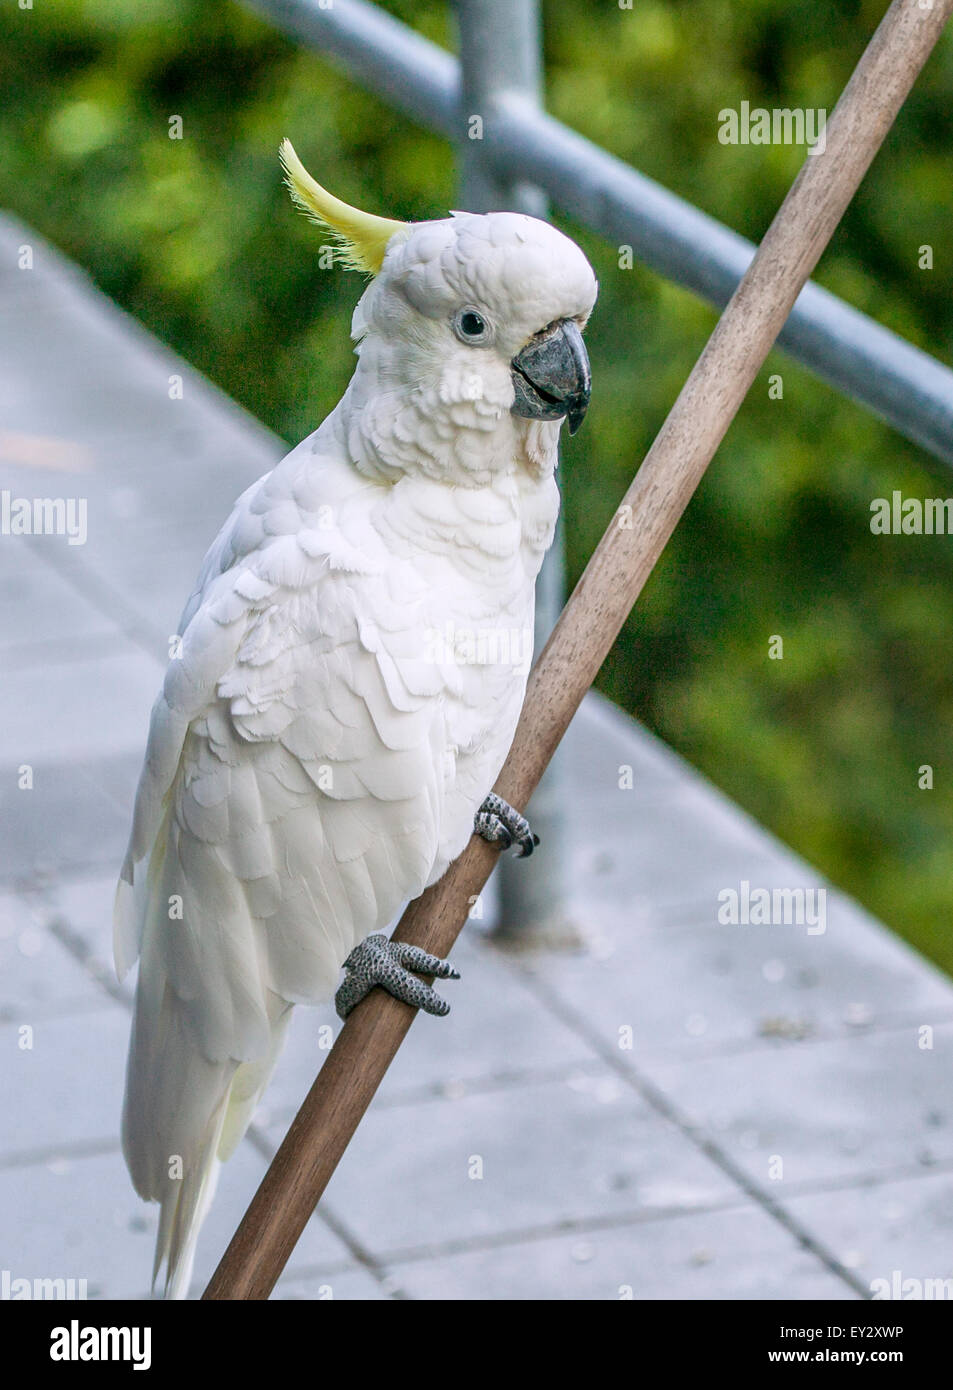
(590, 623)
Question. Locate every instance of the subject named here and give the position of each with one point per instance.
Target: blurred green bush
(197, 238)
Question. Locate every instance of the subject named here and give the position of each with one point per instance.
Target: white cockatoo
(350, 672)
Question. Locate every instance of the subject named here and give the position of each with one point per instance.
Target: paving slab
(737, 1254)
(78, 1217)
(62, 1085)
(92, 708)
(337, 1285)
(830, 1109)
(38, 605)
(65, 823)
(38, 978)
(892, 1231)
(676, 983)
(577, 1149)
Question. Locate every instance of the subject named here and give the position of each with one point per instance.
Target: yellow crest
(363, 237)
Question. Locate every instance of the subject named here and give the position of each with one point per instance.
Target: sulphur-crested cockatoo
(351, 668)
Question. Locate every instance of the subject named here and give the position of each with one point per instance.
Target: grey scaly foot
(380, 961)
(497, 823)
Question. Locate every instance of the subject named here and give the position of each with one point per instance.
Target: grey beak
(551, 376)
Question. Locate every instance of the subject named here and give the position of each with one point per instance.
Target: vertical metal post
(500, 42)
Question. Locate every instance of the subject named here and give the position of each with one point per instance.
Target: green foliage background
(198, 239)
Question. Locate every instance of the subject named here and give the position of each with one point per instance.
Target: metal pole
(908, 388)
(499, 56)
(500, 43)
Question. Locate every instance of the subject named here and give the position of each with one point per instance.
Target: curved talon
(379, 961)
(416, 958)
(498, 823)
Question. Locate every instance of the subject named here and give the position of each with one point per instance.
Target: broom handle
(590, 622)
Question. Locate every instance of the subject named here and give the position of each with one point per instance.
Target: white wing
(290, 802)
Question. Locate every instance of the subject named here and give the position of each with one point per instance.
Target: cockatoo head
(472, 324)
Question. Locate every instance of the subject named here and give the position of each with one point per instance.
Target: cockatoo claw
(380, 961)
(498, 823)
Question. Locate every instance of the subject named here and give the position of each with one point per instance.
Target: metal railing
(908, 388)
(524, 155)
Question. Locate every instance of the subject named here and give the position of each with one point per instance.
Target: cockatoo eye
(470, 326)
